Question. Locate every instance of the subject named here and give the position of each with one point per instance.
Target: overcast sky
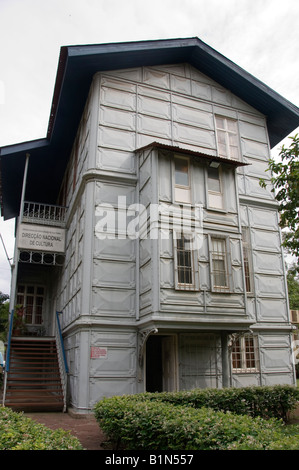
(262, 36)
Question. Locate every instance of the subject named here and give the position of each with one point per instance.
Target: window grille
(219, 266)
(39, 257)
(185, 272)
(227, 138)
(245, 354)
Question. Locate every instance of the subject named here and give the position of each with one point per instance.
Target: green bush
(155, 425)
(18, 432)
(267, 402)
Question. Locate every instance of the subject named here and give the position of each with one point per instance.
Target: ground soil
(85, 428)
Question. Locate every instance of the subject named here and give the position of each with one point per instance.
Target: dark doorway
(154, 372)
(161, 369)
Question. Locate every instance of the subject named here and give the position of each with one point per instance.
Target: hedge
(235, 418)
(156, 425)
(266, 402)
(18, 432)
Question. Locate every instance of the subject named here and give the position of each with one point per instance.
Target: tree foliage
(285, 180)
(293, 287)
(4, 309)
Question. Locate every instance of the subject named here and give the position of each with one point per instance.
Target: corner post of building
(225, 359)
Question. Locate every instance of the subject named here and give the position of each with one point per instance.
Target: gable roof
(76, 68)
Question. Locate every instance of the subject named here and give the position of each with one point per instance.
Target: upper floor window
(215, 194)
(182, 188)
(186, 277)
(219, 264)
(227, 138)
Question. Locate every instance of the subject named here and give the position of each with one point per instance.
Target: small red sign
(96, 352)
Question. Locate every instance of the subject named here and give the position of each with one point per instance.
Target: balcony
(44, 214)
(41, 234)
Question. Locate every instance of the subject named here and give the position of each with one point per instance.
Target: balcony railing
(44, 214)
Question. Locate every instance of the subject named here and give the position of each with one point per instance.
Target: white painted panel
(154, 107)
(153, 93)
(119, 362)
(113, 301)
(165, 179)
(262, 240)
(254, 189)
(118, 98)
(117, 118)
(145, 276)
(125, 85)
(190, 102)
(255, 149)
(100, 388)
(263, 218)
(116, 160)
(166, 273)
(154, 127)
(156, 78)
(195, 136)
(180, 84)
(116, 138)
(267, 263)
(278, 379)
(122, 249)
(256, 168)
(245, 380)
(272, 310)
(201, 90)
(143, 140)
(145, 249)
(270, 285)
(274, 340)
(114, 194)
(221, 96)
(113, 273)
(253, 132)
(277, 360)
(192, 116)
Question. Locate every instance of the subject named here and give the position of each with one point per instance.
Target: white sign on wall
(41, 238)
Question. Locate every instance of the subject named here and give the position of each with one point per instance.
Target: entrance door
(161, 363)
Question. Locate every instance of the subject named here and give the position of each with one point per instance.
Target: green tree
(285, 180)
(293, 287)
(4, 310)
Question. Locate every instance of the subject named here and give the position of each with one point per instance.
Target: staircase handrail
(62, 358)
(7, 358)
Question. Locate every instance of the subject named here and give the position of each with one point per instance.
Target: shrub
(18, 432)
(267, 402)
(156, 425)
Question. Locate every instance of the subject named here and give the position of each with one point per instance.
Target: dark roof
(76, 67)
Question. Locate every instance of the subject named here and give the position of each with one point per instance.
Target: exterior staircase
(33, 380)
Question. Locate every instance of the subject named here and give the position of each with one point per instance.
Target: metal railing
(64, 370)
(45, 214)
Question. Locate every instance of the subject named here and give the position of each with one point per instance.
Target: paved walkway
(86, 429)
